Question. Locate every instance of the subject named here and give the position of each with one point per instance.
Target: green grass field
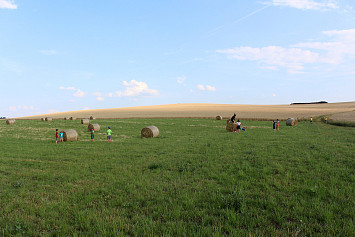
(195, 179)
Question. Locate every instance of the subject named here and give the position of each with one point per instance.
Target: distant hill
(194, 110)
(308, 103)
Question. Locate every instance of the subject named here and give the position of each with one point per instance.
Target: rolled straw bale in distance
(72, 118)
(10, 121)
(43, 119)
(66, 118)
(150, 131)
(92, 118)
(48, 119)
(291, 122)
(94, 126)
(218, 117)
(70, 135)
(85, 121)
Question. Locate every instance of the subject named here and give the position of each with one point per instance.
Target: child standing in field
(238, 125)
(92, 133)
(311, 120)
(277, 124)
(109, 132)
(56, 136)
(61, 136)
(273, 124)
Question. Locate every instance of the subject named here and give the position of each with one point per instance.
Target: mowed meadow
(195, 179)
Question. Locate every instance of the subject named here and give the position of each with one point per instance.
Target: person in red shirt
(56, 136)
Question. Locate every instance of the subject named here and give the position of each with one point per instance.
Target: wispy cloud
(339, 47)
(78, 92)
(307, 4)
(206, 87)
(180, 80)
(22, 108)
(67, 88)
(136, 88)
(48, 52)
(99, 96)
(7, 4)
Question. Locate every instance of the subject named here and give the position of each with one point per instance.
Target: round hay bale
(48, 119)
(72, 118)
(66, 118)
(291, 122)
(85, 121)
(219, 117)
(43, 119)
(231, 127)
(70, 135)
(10, 121)
(92, 118)
(94, 126)
(150, 131)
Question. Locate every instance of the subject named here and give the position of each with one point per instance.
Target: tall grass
(194, 179)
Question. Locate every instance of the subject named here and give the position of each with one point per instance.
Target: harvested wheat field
(194, 110)
(347, 116)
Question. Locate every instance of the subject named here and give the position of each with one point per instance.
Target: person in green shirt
(92, 132)
(109, 132)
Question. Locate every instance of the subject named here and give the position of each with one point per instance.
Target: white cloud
(53, 111)
(70, 88)
(110, 94)
(79, 93)
(48, 52)
(100, 98)
(180, 80)
(136, 88)
(206, 87)
(274, 94)
(295, 58)
(86, 108)
(22, 107)
(307, 4)
(7, 4)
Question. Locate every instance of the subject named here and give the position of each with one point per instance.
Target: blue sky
(58, 56)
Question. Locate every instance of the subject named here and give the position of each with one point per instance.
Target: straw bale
(92, 118)
(10, 121)
(72, 118)
(219, 117)
(70, 135)
(43, 119)
(48, 119)
(150, 131)
(66, 118)
(231, 127)
(85, 121)
(291, 122)
(94, 126)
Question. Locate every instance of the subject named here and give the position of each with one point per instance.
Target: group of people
(276, 124)
(59, 136)
(239, 124)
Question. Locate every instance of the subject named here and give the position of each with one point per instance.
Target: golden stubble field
(199, 110)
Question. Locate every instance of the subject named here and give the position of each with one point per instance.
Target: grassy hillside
(194, 179)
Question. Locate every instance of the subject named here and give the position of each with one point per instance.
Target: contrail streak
(238, 20)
